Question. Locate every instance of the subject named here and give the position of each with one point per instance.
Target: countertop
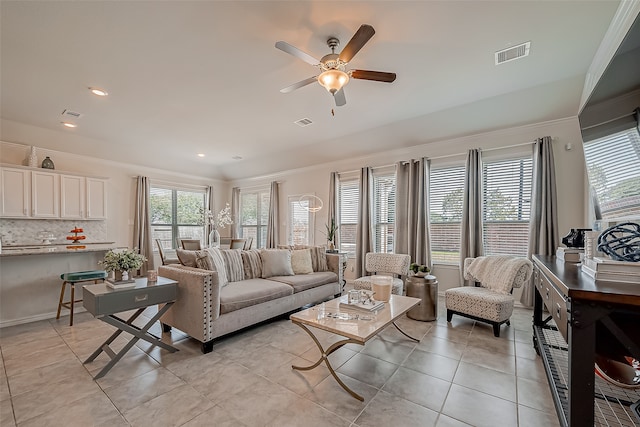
(20, 250)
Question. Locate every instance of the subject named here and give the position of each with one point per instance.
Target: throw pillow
(252, 264)
(233, 264)
(301, 261)
(318, 257)
(218, 262)
(204, 260)
(187, 258)
(276, 262)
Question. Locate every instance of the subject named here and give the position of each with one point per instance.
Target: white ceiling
(204, 77)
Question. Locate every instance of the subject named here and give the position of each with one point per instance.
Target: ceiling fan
(333, 75)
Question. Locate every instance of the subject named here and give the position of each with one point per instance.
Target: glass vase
(214, 239)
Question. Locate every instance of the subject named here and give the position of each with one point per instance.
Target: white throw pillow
(218, 262)
(276, 262)
(301, 261)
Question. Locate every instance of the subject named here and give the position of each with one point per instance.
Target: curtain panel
(273, 224)
(412, 210)
(543, 226)
(364, 242)
(471, 225)
(235, 212)
(332, 211)
(142, 224)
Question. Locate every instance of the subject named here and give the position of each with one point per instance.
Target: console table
(566, 339)
(104, 302)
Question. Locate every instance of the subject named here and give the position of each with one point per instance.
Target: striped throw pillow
(233, 264)
(252, 264)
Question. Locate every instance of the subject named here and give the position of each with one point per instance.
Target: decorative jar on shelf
(47, 163)
(214, 239)
(33, 158)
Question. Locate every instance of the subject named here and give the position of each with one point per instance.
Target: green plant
(419, 268)
(331, 230)
(122, 260)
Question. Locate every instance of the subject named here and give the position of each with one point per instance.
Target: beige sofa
(205, 310)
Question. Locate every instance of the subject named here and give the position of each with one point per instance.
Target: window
(300, 221)
(348, 198)
(254, 216)
(446, 191)
(384, 206)
(176, 214)
(506, 206)
(613, 164)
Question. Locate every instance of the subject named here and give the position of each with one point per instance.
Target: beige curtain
(235, 212)
(209, 204)
(412, 210)
(543, 226)
(142, 224)
(471, 225)
(332, 210)
(273, 224)
(364, 243)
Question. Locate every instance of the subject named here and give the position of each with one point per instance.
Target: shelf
(611, 403)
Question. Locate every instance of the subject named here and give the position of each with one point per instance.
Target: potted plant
(331, 234)
(419, 269)
(121, 262)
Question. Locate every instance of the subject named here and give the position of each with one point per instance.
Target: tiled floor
(458, 375)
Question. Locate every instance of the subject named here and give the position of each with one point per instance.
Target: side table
(104, 302)
(425, 288)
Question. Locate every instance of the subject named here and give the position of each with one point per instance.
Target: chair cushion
(397, 286)
(480, 302)
(302, 282)
(237, 295)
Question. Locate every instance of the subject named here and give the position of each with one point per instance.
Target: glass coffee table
(357, 326)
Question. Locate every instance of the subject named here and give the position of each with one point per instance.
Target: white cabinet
(45, 195)
(28, 193)
(96, 198)
(16, 193)
(72, 197)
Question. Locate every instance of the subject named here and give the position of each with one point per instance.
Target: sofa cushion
(301, 261)
(187, 258)
(250, 292)
(302, 282)
(233, 264)
(252, 264)
(211, 259)
(276, 262)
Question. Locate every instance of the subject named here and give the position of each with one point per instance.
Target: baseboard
(37, 318)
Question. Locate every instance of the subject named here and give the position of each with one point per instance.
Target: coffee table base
(324, 356)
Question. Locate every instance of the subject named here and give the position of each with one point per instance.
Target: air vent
(512, 53)
(71, 114)
(303, 122)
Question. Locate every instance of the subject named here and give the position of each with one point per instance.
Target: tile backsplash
(26, 231)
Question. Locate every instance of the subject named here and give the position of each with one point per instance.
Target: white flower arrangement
(222, 219)
(122, 260)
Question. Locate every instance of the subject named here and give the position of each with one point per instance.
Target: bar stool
(73, 279)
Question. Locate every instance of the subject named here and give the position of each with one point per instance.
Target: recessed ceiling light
(69, 124)
(99, 92)
(237, 157)
(200, 154)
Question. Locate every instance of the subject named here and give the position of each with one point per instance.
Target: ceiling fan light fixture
(333, 80)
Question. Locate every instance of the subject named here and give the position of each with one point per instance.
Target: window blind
(254, 216)
(384, 204)
(613, 165)
(299, 221)
(446, 191)
(348, 201)
(176, 213)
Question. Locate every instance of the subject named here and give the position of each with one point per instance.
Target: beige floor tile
(479, 409)
(491, 343)
(6, 414)
(129, 394)
(33, 379)
(531, 369)
(4, 386)
(35, 331)
(173, 408)
(126, 369)
(331, 396)
(486, 380)
(388, 351)
(237, 345)
(368, 369)
(19, 350)
(528, 417)
(443, 347)
(215, 416)
(308, 414)
(498, 361)
(194, 366)
(525, 350)
(38, 358)
(432, 364)
(337, 358)
(389, 410)
(416, 328)
(535, 395)
(299, 382)
(450, 333)
(265, 359)
(296, 342)
(524, 336)
(419, 388)
(83, 349)
(444, 421)
(223, 381)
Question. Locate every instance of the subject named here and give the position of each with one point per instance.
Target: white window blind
(446, 191)
(384, 204)
(506, 206)
(176, 214)
(300, 222)
(613, 164)
(254, 215)
(348, 198)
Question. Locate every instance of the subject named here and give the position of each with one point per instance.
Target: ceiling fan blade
(359, 39)
(340, 98)
(292, 50)
(299, 84)
(377, 76)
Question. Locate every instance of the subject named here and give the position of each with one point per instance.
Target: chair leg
(72, 302)
(496, 330)
(64, 286)
(449, 315)
(508, 322)
(207, 347)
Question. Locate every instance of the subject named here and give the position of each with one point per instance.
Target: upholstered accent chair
(492, 301)
(394, 265)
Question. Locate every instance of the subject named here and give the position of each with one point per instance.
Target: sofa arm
(198, 301)
(333, 263)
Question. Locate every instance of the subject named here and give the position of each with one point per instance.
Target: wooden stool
(73, 279)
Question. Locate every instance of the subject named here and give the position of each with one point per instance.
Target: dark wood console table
(565, 337)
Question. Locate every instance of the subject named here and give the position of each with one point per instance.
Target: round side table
(425, 288)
